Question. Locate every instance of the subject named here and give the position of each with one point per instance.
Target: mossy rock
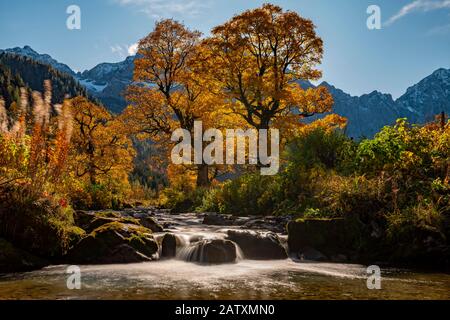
(89, 221)
(101, 221)
(13, 259)
(108, 214)
(38, 226)
(331, 236)
(151, 223)
(115, 242)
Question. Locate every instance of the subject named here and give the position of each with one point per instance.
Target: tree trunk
(264, 125)
(202, 175)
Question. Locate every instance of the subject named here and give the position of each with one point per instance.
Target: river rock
(115, 242)
(83, 219)
(215, 219)
(169, 245)
(215, 251)
(151, 223)
(13, 259)
(125, 253)
(89, 221)
(258, 245)
(311, 254)
(271, 223)
(329, 236)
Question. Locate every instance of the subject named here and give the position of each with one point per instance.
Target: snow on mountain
(427, 98)
(92, 86)
(108, 81)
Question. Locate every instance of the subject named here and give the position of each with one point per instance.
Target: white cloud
(124, 50)
(133, 49)
(158, 9)
(419, 6)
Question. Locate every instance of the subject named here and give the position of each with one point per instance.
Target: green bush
(383, 180)
(250, 194)
(182, 200)
(418, 221)
(319, 148)
(97, 197)
(43, 226)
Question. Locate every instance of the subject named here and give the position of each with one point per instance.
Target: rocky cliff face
(368, 113)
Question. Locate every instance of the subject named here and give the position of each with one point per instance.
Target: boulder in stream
(332, 237)
(215, 219)
(258, 245)
(311, 254)
(170, 243)
(215, 251)
(151, 223)
(89, 221)
(115, 242)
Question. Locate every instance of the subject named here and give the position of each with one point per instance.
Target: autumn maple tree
(168, 92)
(245, 75)
(258, 60)
(101, 150)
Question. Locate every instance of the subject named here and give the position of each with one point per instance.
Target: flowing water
(245, 279)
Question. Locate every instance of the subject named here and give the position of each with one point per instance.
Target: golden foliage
(258, 59)
(100, 149)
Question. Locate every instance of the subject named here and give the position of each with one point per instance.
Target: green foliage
(10, 85)
(249, 194)
(41, 225)
(423, 218)
(320, 148)
(398, 181)
(312, 213)
(309, 159)
(97, 197)
(182, 200)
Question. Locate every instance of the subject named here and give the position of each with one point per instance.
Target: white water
(244, 279)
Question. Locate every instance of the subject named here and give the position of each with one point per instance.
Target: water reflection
(174, 279)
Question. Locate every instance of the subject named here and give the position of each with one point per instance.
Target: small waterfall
(211, 251)
(169, 244)
(239, 254)
(192, 253)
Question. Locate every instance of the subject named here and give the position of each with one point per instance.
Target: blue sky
(413, 42)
